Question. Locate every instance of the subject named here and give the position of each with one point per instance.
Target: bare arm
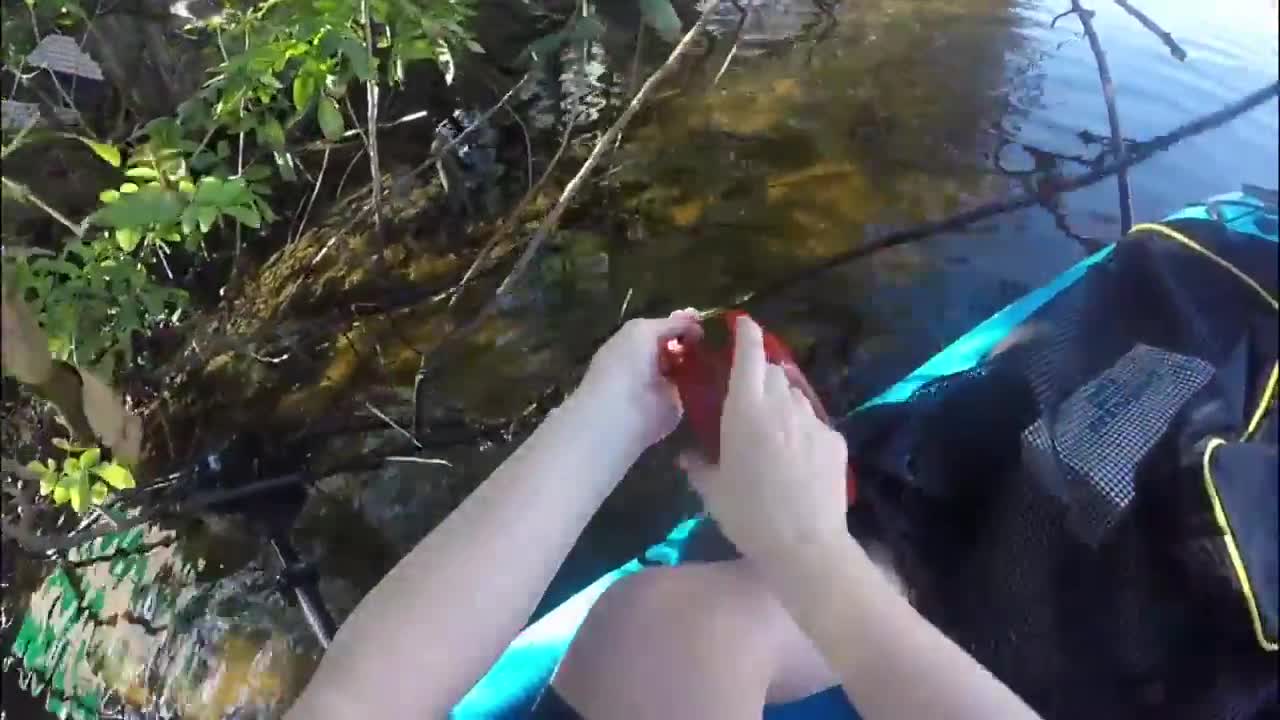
(432, 627)
(779, 494)
(891, 661)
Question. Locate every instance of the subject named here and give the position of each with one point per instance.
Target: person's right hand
(780, 484)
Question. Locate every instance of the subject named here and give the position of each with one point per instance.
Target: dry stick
(1113, 115)
(607, 140)
(1141, 153)
(737, 38)
(371, 115)
(311, 201)
(1174, 48)
(514, 216)
(432, 361)
(22, 192)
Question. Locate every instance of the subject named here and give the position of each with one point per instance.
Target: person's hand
(779, 487)
(623, 380)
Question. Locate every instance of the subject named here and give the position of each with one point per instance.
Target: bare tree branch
(1174, 48)
(606, 141)
(513, 217)
(1113, 115)
(1140, 153)
(371, 116)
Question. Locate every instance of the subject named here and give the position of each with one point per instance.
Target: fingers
(777, 388)
(746, 379)
(696, 467)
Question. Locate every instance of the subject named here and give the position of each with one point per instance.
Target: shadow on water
(807, 131)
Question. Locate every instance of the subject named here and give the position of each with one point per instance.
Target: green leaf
(148, 206)
(116, 475)
(358, 56)
(304, 89)
(77, 495)
(108, 152)
(208, 191)
(189, 219)
(128, 238)
(423, 49)
(109, 196)
(143, 172)
(246, 215)
(64, 444)
(474, 46)
(89, 458)
(206, 215)
(256, 172)
(331, 122)
(128, 188)
(60, 494)
(98, 493)
(661, 16)
(271, 133)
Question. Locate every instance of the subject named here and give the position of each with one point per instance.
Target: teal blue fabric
(512, 685)
(1241, 212)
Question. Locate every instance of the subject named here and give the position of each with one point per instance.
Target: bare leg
(700, 640)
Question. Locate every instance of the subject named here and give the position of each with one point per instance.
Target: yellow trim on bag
(1233, 550)
(1267, 396)
(1210, 485)
(1197, 247)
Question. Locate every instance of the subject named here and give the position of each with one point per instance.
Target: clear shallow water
(819, 132)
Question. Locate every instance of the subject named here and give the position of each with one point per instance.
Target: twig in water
(1069, 11)
(1174, 48)
(420, 461)
(371, 115)
(393, 424)
(607, 140)
(342, 181)
(1140, 153)
(1113, 115)
(514, 216)
(311, 200)
(633, 77)
(737, 38)
(622, 311)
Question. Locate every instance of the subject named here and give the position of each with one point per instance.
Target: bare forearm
(892, 662)
(451, 606)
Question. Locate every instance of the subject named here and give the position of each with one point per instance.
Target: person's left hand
(624, 380)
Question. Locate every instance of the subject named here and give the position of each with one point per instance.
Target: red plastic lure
(700, 373)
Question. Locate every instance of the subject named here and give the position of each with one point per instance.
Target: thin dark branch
(1054, 22)
(606, 141)
(514, 216)
(1174, 48)
(737, 39)
(1141, 153)
(371, 115)
(1113, 114)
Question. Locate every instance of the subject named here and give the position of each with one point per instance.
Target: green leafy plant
(84, 479)
(92, 298)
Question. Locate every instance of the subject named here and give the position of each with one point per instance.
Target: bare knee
(666, 639)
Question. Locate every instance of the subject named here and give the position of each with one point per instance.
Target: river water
(803, 134)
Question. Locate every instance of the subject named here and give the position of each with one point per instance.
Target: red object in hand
(701, 376)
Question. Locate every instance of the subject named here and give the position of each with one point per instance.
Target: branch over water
(1113, 115)
(1140, 153)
